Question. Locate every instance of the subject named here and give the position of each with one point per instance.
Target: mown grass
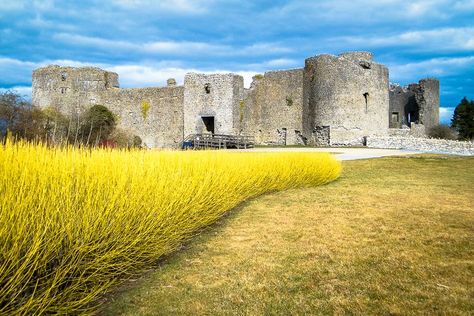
(74, 221)
(391, 236)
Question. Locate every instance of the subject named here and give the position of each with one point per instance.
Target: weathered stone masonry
(417, 103)
(346, 98)
(333, 100)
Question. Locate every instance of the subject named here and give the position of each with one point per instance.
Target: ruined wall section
(154, 114)
(427, 97)
(273, 108)
(70, 89)
(346, 99)
(401, 102)
(214, 96)
(418, 103)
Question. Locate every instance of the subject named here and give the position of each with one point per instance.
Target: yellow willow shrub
(74, 220)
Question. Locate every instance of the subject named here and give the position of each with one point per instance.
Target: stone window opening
(207, 88)
(366, 97)
(395, 118)
(63, 90)
(64, 76)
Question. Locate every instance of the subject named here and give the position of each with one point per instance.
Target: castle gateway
(333, 100)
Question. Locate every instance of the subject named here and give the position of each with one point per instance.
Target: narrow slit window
(366, 97)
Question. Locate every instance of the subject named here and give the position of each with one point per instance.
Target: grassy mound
(72, 221)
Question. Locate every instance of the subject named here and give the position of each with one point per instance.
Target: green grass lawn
(391, 236)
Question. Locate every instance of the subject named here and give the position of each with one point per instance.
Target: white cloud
(171, 47)
(263, 49)
(18, 5)
(40, 22)
(442, 39)
(464, 5)
(15, 71)
(11, 62)
(130, 75)
(149, 76)
(445, 114)
(178, 6)
(363, 11)
(43, 5)
(435, 67)
(12, 6)
(24, 91)
(93, 41)
(184, 47)
(282, 62)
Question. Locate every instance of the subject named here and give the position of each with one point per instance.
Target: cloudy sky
(148, 41)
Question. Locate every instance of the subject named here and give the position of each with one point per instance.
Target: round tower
(346, 98)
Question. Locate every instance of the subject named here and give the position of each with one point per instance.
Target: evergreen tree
(463, 119)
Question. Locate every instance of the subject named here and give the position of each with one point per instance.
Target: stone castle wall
(402, 102)
(273, 108)
(427, 97)
(333, 100)
(72, 90)
(417, 103)
(154, 114)
(215, 96)
(346, 98)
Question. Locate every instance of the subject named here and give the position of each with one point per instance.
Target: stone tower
(211, 103)
(71, 89)
(345, 99)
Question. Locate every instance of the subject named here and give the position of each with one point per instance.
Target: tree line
(463, 119)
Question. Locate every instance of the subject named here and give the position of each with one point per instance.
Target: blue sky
(148, 41)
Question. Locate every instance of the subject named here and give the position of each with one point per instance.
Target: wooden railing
(217, 141)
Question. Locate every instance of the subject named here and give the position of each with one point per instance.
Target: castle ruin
(333, 100)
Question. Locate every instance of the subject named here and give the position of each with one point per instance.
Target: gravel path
(341, 153)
